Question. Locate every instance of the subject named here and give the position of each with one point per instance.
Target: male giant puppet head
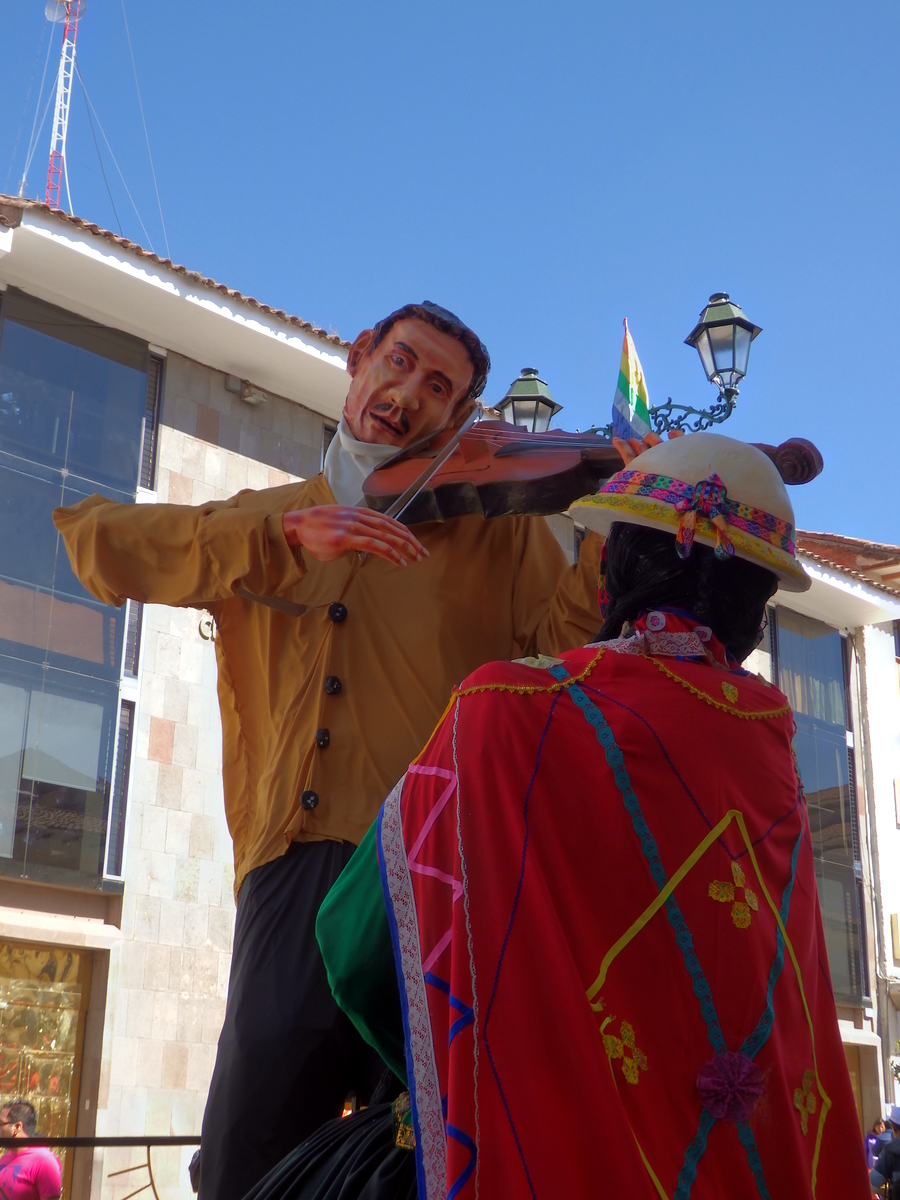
(418, 371)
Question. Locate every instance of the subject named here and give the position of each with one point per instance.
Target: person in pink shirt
(32, 1173)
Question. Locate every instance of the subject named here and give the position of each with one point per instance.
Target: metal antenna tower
(56, 168)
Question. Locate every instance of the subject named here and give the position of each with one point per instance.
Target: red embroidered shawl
(601, 890)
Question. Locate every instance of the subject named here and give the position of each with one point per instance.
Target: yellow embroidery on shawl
(727, 893)
(626, 1049)
(744, 715)
(805, 1102)
(660, 1190)
(736, 816)
(529, 689)
(730, 692)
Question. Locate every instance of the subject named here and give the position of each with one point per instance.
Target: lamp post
(722, 338)
(529, 402)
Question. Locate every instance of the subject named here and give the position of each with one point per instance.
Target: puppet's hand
(631, 448)
(330, 530)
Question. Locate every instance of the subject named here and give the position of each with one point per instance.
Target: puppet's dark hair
(643, 571)
(447, 322)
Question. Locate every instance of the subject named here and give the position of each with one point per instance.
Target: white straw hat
(722, 492)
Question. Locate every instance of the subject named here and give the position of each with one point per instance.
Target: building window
(73, 405)
(812, 673)
(115, 853)
(150, 427)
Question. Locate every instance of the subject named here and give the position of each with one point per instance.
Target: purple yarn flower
(729, 1086)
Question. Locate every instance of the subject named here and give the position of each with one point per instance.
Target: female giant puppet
(597, 885)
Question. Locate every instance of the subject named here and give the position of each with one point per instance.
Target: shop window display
(43, 1001)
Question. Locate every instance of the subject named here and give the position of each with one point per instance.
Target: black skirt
(352, 1158)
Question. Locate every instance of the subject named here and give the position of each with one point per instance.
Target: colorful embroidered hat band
(703, 510)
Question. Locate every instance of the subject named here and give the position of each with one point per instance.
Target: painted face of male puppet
(409, 386)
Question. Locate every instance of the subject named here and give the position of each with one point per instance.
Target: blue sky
(543, 170)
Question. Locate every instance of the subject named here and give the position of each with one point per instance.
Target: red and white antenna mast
(57, 165)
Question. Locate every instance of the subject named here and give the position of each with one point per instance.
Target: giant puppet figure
(596, 889)
(321, 713)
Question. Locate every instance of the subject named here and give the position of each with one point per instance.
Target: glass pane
(742, 341)
(37, 377)
(840, 919)
(706, 355)
(523, 413)
(811, 674)
(722, 343)
(542, 414)
(45, 613)
(62, 744)
(13, 714)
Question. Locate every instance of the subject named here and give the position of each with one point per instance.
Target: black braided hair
(643, 571)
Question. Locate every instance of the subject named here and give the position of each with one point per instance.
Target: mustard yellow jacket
(490, 588)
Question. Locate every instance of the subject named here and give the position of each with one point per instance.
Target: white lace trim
(431, 1140)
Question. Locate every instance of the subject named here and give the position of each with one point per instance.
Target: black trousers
(287, 1055)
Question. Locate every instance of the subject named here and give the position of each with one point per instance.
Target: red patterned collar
(668, 633)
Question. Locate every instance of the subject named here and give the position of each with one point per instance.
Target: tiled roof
(12, 208)
(874, 563)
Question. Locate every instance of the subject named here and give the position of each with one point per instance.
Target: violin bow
(403, 501)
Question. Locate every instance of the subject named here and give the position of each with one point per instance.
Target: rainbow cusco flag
(631, 405)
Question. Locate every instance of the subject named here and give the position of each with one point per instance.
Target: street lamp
(722, 338)
(529, 403)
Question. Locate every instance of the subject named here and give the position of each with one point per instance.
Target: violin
(495, 468)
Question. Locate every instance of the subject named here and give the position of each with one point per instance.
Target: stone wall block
(278, 478)
(169, 448)
(148, 1069)
(230, 432)
(196, 917)
(153, 695)
(147, 910)
(156, 968)
(194, 458)
(216, 463)
(158, 1120)
(168, 656)
(178, 835)
(174, 1067)
(201, 1057)
(124, 1062)
(190, 1020)
(209, 884)
(224, 974)
(221, 929)
(187, 875)
(133, 1112)
(181, 975)
(162, 738)
(176, 699)
(202, 493)
(161, 874)
(206, 973)
(310, 462)
(171, 923)
(193, 790)
(139, 1021)
(184, 750)
(203, 836)
(132, 964)
(168, 788)
(153, 827)
(164, 1024)
(249, 446)
(162, 485)
(213, 1020)
(257, 475)
(236, 470)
